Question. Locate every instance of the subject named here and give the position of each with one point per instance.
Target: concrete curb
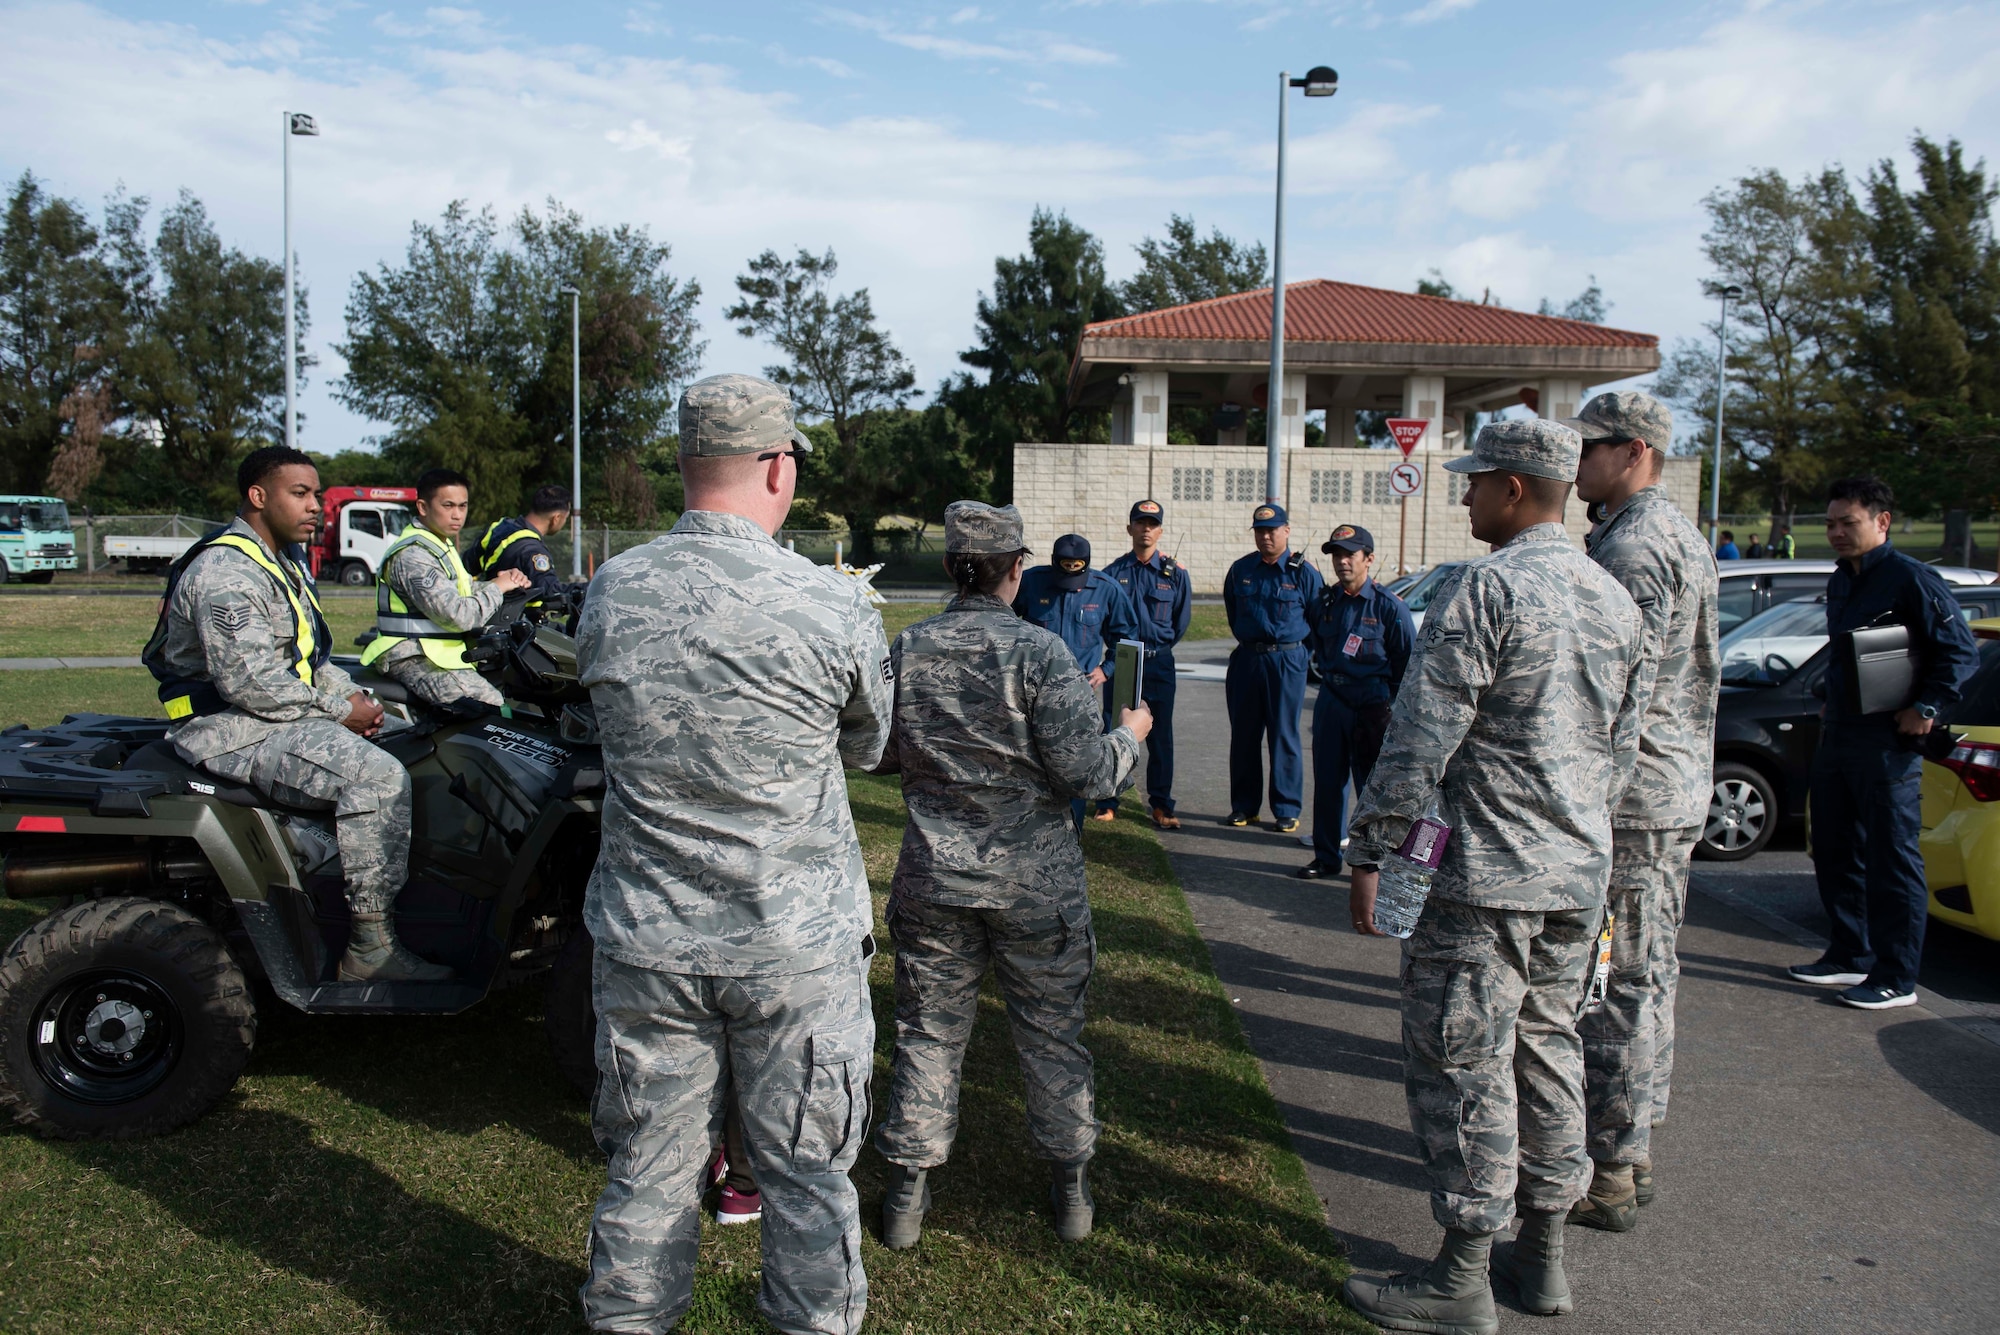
(45, 664)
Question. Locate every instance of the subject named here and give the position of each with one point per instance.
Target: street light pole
(1320, 81)
(1729, 293)
(576, 433)
(293, 123)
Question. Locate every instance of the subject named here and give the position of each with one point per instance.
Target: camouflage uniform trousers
(1044, 956)
(1492, 1067)
(1628, 1041)
(796, 1052)
(319, 765)
(440, 686)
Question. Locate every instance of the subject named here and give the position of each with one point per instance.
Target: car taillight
(1977, 766)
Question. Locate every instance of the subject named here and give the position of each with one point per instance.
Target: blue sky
(1517, 147)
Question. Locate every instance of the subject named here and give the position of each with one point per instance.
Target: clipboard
(1128, 669)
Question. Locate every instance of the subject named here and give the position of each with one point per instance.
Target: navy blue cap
(1269, 516)
(1071, 547)
(1349, 538)
(1148, 512)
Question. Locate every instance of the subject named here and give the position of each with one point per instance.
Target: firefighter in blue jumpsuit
(1361, 639)
(1866, 779)
(1083, 606)
(1266, 595)
(1162, 598)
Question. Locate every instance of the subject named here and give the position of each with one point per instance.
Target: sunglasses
(794, 453)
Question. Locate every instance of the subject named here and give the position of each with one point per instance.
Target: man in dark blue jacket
(1866, 802)
(1085, 607)
(1162, 597)
(1266, 595)
(1361, 639)
(522, 544)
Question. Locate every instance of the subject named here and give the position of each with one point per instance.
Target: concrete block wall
(1089, 489)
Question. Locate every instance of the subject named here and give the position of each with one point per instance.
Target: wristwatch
(1927, 711)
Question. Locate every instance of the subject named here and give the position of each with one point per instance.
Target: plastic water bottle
(1406, 877)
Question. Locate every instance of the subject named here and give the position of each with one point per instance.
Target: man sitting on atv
(242, 655)
(426, 601)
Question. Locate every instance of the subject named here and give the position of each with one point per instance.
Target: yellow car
(1961, 834)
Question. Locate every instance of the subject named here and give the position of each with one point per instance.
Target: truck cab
(35, 538)
(360, 526)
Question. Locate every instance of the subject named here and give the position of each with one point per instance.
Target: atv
(188, 901)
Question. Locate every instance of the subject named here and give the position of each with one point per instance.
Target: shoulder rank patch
(888, 670)
(230, 619)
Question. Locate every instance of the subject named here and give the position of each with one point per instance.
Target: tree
(1186, 267)
(61, 319)
(1434, 285)
(464, 350)
(1588, 305)
(1028, 331)
(204, 359)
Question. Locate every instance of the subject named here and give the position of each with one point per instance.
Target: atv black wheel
(120, 1017)
(570, 1016)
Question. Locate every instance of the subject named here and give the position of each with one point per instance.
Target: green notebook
(1128, 668)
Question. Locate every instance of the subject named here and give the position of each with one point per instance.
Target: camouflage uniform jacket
(1521, 722)
(732, 679)
(231, 624)
(996, 729)
(1652, 549)
(419, 575)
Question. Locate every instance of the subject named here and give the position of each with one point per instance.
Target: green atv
(189, 901)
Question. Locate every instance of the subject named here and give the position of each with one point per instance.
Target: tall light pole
(295, 123)
(576, 432)
(1320, 81)
(1730, 293)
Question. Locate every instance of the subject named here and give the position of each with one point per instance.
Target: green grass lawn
(86, 626)
(427, 1175)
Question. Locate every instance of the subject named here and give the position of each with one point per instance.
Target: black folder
(1885, 669)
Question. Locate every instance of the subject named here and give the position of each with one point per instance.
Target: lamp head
(1733, 292)
(1320, 81)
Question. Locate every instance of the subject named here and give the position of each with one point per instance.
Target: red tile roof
(1322, 311)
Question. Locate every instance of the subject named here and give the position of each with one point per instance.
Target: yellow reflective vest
(188, 699)
(397, 621)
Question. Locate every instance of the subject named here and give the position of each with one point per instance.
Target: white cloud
(1021, 48)
(1507, 187)
(1438, 9)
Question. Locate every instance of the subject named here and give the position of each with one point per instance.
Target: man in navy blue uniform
(521, 544)
(1361, 640)
(1083, 606)
(1266, 595)
(1162, 599)
(1867, 772)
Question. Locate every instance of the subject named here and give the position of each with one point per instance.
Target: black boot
(1452, 1297)
(1070, 1193)
(904, 1207)
(1534, 1264)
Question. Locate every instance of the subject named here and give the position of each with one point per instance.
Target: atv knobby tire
(570, 1016)
(120, 1017)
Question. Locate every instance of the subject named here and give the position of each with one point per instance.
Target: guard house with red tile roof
(1348, 349)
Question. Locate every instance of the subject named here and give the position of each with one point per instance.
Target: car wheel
(120, 1017)
(569, 1016)
(354, 574)
(1742, 814)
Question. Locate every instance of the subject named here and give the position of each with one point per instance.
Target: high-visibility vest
(189, 698)
(397, 621)
(486, 553)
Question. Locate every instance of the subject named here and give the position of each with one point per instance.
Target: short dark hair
(549, 500)
(431, 479)
(261, 463)
(1550, 493)
(1867, 490)
(981, 572)
(1728, 535)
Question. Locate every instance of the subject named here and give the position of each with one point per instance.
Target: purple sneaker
(734, 1207)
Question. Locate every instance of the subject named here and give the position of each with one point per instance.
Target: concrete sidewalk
(1824, 1169)
(45, 664)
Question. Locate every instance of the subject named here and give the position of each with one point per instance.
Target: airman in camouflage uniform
(232, 635)
(996, 730)
(732, 681)
(1651, 548)
(1519, 725)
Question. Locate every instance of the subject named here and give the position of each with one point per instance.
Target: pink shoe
(718, 1167)
(733, 1207)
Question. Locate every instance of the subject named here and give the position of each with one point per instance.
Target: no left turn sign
(1406, 479)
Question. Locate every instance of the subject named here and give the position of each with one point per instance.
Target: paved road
(1824, 1169)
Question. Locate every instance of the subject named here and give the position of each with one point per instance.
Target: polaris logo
(207, 788)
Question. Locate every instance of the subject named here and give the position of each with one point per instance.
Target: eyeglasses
(794, 453)
(1614, 440)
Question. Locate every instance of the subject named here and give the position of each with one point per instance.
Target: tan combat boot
(1613, 1202)
(1452, 1297)
(374, 955)
(1642, 1182)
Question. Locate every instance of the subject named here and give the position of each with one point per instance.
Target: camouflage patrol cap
(1625, 415)
(1535, 447)
(737, 414)
(973, 528)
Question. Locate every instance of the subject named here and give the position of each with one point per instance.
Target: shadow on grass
(258, 1180)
